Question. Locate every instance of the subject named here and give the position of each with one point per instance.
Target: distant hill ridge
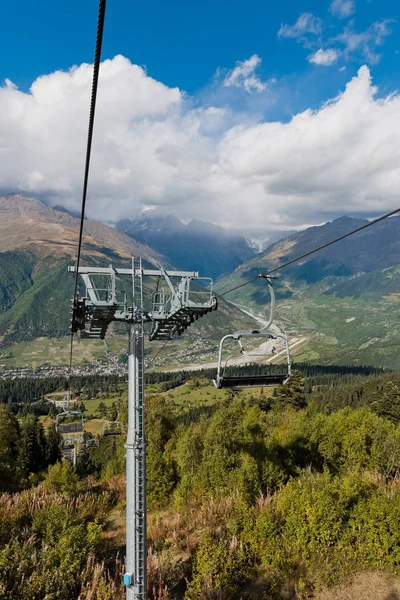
(373, 249)
(29, 224)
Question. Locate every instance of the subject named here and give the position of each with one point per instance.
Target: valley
(339, 306)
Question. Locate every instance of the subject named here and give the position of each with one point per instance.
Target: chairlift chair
(224, 380)
(67, 449)
(76, 426)
(112, 428)
(68, 444)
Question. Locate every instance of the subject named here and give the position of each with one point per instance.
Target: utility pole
(171, 312)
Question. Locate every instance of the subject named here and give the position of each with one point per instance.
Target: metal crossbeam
(144, 272)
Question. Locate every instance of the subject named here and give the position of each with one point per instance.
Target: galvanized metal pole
(136, 547)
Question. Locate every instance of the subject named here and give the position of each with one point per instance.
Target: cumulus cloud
(365, 43)
(151, 148)
(307, 23)
(243, 76)
(342, 8)
(324, 57)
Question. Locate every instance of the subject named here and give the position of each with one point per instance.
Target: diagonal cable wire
(294, 260)
(158, 353)
(342, 237)
(237, 287)
(95, 81)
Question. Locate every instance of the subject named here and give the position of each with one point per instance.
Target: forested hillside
(259, 494)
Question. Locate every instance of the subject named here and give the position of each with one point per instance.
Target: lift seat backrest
(68, 447)
(248, 381)
(112, 428)
(69, 427)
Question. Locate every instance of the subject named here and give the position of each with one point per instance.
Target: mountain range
(354, 259)
(37, 243)
(342, 302)
(195, 246)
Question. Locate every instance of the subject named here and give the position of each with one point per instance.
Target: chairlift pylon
(225, 380)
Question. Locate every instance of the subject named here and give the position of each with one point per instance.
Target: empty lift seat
(248, 381)
(69, 427)
(112, 428)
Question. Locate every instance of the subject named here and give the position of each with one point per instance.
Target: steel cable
(95, 81)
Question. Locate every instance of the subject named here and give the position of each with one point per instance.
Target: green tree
(9, 450)
(222, 567)
(53, 445)
(102, 409)
(32, 446)
(160, 465)
(388, 405)
(292, 394)
(61, 478)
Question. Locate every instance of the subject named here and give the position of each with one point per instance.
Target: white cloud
(307, 23)
(243, 76)
(342, 8)
(365, 42)
(152, 148)
(324, 57)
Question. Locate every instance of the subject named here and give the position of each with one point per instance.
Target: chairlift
(68, 455)
(67, 449)
(68, 444)
(86, 444)
(225, 380)
(69, 421)
(112, 428)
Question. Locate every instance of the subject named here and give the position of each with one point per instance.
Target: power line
(294, 260)
(95, 81)
(238, 286)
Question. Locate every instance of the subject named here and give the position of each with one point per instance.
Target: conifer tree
(9, 439)
(53, 445)
(292, 394)
(32, 446)
(388, 404)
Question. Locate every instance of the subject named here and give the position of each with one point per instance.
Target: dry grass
(364, 586)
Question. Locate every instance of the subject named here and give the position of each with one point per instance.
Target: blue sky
(245, 112)
(184, 43)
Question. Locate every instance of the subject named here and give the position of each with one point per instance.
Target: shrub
(61, 478)
(221, 568)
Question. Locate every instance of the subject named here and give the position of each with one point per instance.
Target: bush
(61, 478)
(221, 568)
